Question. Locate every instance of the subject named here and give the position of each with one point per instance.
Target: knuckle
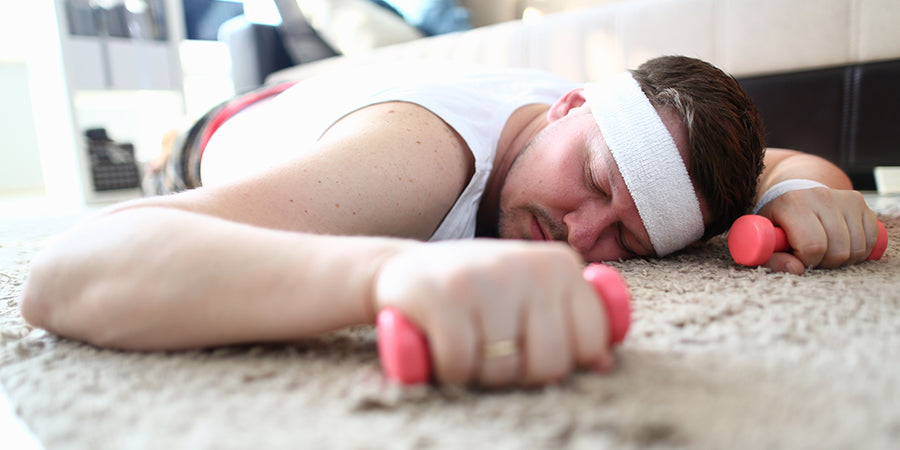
(839, 255)
(821, 193)
(812, 250)
(462, 286)
(858, 254)
(856, 196)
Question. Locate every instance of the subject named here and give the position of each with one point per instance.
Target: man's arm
(165, 279)
(257, 258)
(827, 227)
(160, 278)
(288, 253)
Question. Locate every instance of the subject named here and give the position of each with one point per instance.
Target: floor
(876, 201)
(16, 435)
(18, 214)
(36, 205)
(22, 216)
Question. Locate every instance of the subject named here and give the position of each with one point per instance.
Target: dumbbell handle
(753, 238)
(403, 349)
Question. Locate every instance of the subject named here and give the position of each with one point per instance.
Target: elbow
(77, 305)
(47, 304)
(54, 296)
(34, 308)
(80, 286)
(38, 303)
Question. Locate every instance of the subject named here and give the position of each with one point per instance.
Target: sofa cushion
(300, 39)
(356, 26)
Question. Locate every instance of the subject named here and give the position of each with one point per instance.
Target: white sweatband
(784, 187)
(649, 161)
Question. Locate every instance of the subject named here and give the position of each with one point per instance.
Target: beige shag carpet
(718, 356)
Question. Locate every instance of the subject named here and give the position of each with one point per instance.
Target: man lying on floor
(316, 202)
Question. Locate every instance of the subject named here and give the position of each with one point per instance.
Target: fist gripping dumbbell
(752, 240)
(404, 352)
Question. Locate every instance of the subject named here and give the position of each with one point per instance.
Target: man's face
(566, 186)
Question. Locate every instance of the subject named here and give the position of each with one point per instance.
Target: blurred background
(129, 70)
(94, 90)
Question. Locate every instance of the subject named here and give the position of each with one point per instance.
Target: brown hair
(725, 131)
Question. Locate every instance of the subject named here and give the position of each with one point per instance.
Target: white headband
(649, 162)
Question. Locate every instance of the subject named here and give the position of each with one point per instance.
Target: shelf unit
(124, 76)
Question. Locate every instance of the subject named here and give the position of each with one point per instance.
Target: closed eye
(591, 182)
(620, 239)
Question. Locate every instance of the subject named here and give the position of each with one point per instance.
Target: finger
(500, 360)
(547, 356)
(785, 262)
(859, 247)
(453, 339)
(803, 230)
(837, 241)
(808, 239)
(588, 327)
(817, 239)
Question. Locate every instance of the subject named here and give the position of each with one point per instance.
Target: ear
(569, 101)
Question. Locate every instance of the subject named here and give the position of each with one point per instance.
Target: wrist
(784, 187)
(378, 261)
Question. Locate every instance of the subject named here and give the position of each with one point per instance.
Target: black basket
(113, 165)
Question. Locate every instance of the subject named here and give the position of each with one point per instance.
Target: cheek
(538, 181)
(561, 173)
(548, 170)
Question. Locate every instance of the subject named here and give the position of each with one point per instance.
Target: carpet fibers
(718, 356)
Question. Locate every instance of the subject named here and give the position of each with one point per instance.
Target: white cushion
(356, 26)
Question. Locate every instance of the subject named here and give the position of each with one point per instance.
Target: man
(315, 203)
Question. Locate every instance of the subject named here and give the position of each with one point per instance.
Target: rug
(718, 356)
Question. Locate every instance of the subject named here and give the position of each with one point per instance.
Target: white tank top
(475, 101)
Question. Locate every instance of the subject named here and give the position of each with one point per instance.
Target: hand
(827, 228)
(498, 313)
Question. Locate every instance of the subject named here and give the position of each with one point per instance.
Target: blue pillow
(431, 16)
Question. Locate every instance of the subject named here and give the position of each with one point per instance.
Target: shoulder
(390, 169)
(403, 124)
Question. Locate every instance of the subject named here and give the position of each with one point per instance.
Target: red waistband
(236, 105)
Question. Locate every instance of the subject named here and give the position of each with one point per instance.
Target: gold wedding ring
(500, 349)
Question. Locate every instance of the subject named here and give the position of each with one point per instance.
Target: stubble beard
(506, 216)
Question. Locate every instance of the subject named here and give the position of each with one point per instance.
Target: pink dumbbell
(752, 240)
(404, 352)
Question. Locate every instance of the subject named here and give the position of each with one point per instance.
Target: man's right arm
(153, 278)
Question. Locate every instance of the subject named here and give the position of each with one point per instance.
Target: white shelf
(119, 69)
(122, 64)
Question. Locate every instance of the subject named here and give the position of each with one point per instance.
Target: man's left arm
(828, 224)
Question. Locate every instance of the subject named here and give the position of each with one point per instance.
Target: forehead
(672, 121)
(603, 161)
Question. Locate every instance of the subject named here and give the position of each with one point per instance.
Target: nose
(588, 224)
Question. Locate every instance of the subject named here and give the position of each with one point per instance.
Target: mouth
(537, 233)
